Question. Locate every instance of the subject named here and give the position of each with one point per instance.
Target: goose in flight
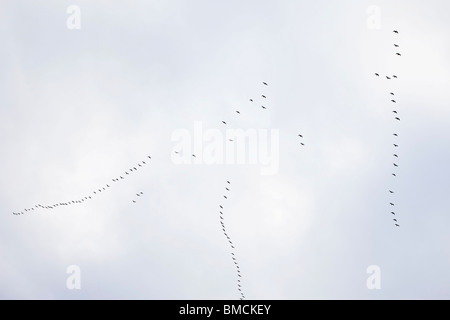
(224, 122)
(395, 220)
(395, 165)
(228, 182)
(220, 206)
(263, 96)
(251, 100)
(397, 118)
(395, 155)
(238, 112)
(394, 174)
(225, 197)
(194, 156)
(393, 213)
(396, 45)
(391, 204)
(395, 112)
(392, 94)
(397, 225)
(395, 76)
(377, 74)
(395, 31)
(398, 54)
(300, 136)
(388, 78)
(396, 145)
(264, 83)
(396, 135)
(393, 101)
(263, 107)
(390, 191)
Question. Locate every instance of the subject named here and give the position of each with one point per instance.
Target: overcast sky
(80, 107)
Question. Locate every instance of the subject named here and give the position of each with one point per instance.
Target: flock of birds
(233, 256)
(89, 196)
(395, 134)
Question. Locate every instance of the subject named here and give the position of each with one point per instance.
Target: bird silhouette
(391, 204)
(263, 107)
(300, 136)
(394, 76)
(395, 165)
(398, 54)
(395, 112)
(392, 94)
(393, 101)
(265, 84)
(194, 156)
(397, 225)
(388, 78)
(395, 31)
(238, 112)
(395, 220)
(377, 74)
(251, 100)
(224, 122)
(263, 96)
(397, 118)
(395, 155)
(225, 197)
(393, 213)
(395, 134)
(228, 182)
(396, 145)
(390, 191)
(396, 45)
(394, 174)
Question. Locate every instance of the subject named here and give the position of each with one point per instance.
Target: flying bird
(300, 136)
(377, 74)
(390, 191)
(395, 155)
(224, 122)
(396, 45)
(394, 174)
(264, 83)
(393, 101)
(228, 182)
(395, 165)
(395, 134)
(388, 78)
(392, 94)
(393, 213)
(395, 112)
(396, 145)
(397, 225)
(395, 76)
(395, 31)
(263, 96)
(194, 156)
(395, 220)
(397, 118)
(251, 100)
(225, 197)
(263, 107)
(398, 54)
(238, 112)
(391, 204)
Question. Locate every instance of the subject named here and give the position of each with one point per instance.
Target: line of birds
(86, 198)
(263, 96)
(396, 118)
(233, 256)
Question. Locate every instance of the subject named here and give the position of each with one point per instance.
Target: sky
(79, 107)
